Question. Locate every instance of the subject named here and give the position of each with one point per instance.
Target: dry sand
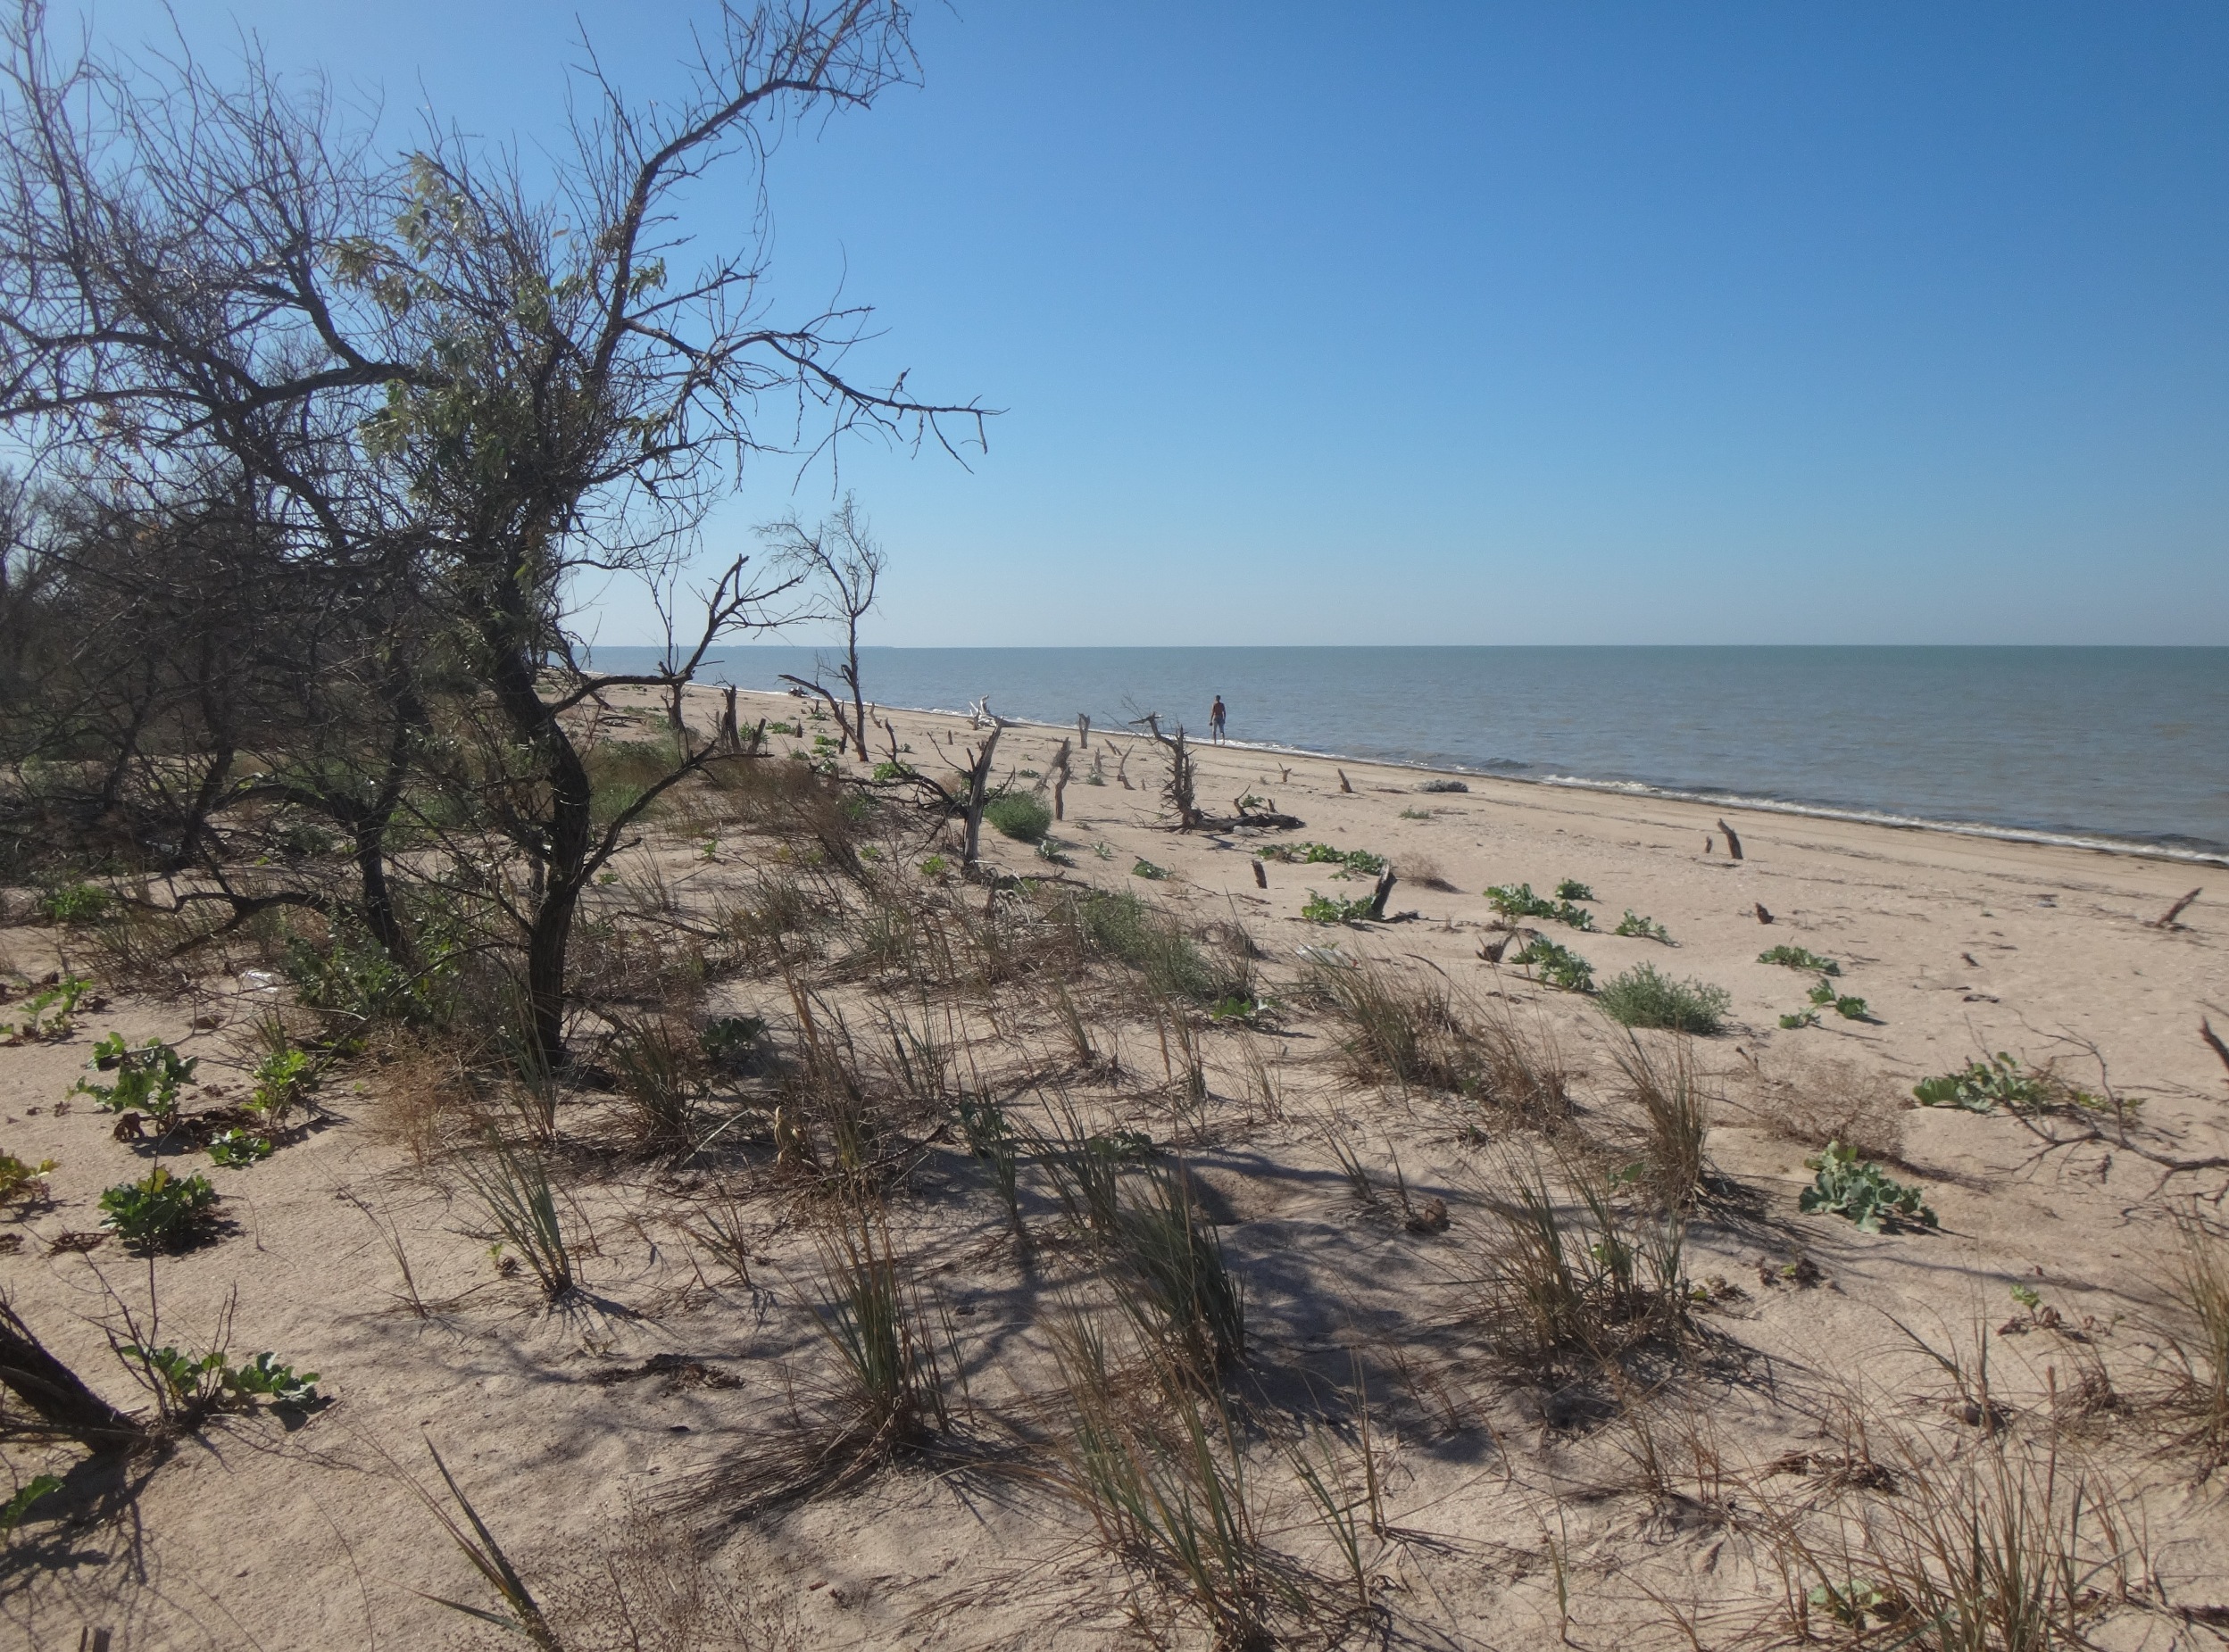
(272, 1532)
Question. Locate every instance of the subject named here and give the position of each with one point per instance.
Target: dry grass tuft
(1820, 1099)
(1667, 1089)
(2201, 1289)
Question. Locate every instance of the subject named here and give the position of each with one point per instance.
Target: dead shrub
(1820, 1099)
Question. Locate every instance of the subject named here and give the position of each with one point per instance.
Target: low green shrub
(1796, 958)
(147, 1079)
(1516, 900)
(1983, 1085)
(235, 1149)
(159, 1210)
(49, 1013)
(1147, 870)
(1333, 910)
(1578, 917)
(1351, 862)
(935, 866)
(194, 1385)
(1571, 889)
(1443, 786)
(1848, 1186)
(76, 903)
(1849, 1008)
(1641, 928)
(1020, 816)
(1558, 966)
(17, 1178)
(1643, 997)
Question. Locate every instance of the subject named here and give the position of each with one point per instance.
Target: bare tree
(438, 385)
(842, 564)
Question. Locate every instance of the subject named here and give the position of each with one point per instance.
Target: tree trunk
(55, 1392)
(978, 794)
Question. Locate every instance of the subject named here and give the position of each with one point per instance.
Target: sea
(2126, 748)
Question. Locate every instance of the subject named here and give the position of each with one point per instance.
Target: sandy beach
(623, 1433)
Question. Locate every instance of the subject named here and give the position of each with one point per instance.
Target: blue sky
(1485, 323)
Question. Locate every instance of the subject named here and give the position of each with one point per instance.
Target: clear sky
(1817, 322)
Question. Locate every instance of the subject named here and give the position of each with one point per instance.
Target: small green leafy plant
(1861, 1191)
(1849, 1009)
(286, 1078)
(1148, 870)
(17, 1179)
(1571, 889)
(1351, 862)
(1982, 1086)
(1332, 909)
(1515, 901)
(934, 866)
(1796, 958)
(1643, 997)
(235, 1149)
(50, 1012)
(76, 903)
(159, 1210)
(1237, 1007)
(1558, 966)
(13, 1511)
(197, 1383)
(148, 1079)
(1797, 1019)
(1641, 928)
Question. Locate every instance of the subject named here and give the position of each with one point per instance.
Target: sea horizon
(2119, 746)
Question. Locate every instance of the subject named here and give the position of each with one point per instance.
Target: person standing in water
(1215, 720)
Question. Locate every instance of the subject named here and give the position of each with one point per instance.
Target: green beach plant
(237, 1149)
(1351, 862)
(1641, 928)
(49, 1013)
(1020, 816)
(1822, 996)
(1517, 900)
(1558, 966)
(75, 903)
(1988, 1082)
(18, 1179)
(1322, 909)
(1643, 997)
(147, 1078)
(159, 1210)
(1861, 1191)
(1796, 958)
(1571, 889)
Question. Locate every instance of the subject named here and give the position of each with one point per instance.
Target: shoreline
(2092, 841)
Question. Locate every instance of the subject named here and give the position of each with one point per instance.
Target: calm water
(2128, 743)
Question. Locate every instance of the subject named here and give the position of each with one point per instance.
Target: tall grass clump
(659, 1067)
(2000, 1548)
(1643, 997)
(874, 1318)
(1400, 1024)
(2201, 1289)
(512, 1181)
(1125, 929)
(1019, 815)
(1177, 1283)
(1154, 1460)
(1582, 1279)
(1675, 1120)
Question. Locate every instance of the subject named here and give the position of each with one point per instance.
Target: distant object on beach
(1443, 786)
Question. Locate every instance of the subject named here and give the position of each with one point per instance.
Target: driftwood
(1342, 773)
(1059, 782)
(55, 1392)
(1763, 917)
(1261, 875)
(1083, 732)
(1384, 891)
(2165, 920)
(2206, 1031)
(730, 736)
(1177, 790)
(1732, 844)
(1122, 768)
